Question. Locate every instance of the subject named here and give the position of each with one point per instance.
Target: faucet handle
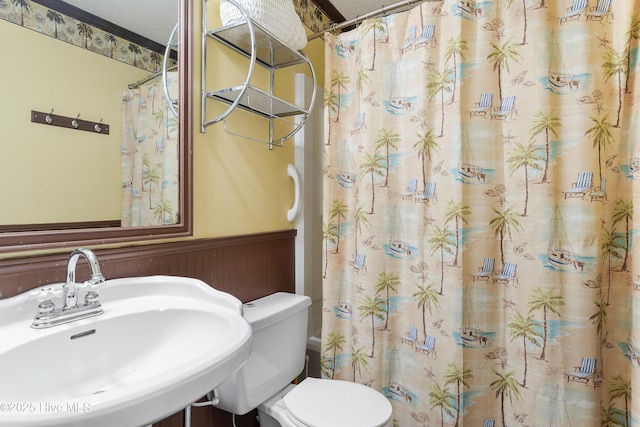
(44, 294)
(94, 286)
(91, 298)
(82, 286)
(89, 285)
(55, 293)
(44, 297)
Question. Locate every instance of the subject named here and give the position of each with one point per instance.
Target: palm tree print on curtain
(509, 139)
(149, 156)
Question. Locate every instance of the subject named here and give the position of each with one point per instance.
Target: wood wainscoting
(248, 267)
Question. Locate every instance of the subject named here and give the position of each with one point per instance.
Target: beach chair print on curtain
(411, 38)
(602, 9)
(358, 263)
(585, 372)
(428, 347)
(428, 194)
(508, 273)
(358, 123)
(411, 189)
(489, 423)
(506, 108)
(599, 193)
(482, 107)
(485, 271)
(428, 36)
(574, 12)
(583, 185)
(411, 336)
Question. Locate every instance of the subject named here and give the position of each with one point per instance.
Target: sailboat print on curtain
(399, 102)
(560, 79)
(634, 159)
(347, 169)
(472, 9)
(398, 247)
(558, 415)
(468, 169)
(347, 48)
(632, 352)
(397, 388)
(634, 166)
(470, 333)
(560, 254)
(344, 309)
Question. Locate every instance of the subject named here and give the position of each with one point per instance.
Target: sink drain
(83, 334)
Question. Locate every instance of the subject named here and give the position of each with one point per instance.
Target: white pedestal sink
(161, 343)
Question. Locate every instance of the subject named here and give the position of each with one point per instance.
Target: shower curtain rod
(382, 11)
(150, 77)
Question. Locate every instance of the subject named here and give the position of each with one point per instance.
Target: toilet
(279, 335)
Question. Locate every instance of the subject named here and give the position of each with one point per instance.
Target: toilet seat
(335, 403)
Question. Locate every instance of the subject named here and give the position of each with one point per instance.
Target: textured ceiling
(153, 19)
(351, 9)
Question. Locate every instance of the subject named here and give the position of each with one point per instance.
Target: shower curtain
(480, 174)
(150, 166)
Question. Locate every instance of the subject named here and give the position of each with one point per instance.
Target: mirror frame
(18, 241)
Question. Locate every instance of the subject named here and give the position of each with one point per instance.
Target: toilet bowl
(279, 335)
(322, 402)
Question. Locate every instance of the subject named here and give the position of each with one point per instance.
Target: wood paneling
(248, 267)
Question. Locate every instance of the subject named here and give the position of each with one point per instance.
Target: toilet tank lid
(273, 308)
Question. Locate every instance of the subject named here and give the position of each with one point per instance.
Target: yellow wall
(54, 174)
(241, 186)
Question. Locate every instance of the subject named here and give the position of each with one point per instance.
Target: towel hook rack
(69, 122)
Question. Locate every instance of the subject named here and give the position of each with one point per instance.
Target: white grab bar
(293, 212)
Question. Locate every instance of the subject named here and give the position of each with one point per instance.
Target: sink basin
(162, 343)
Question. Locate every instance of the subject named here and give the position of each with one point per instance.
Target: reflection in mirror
(64, 186)
(149, 153)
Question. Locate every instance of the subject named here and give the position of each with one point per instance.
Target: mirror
(53, 146)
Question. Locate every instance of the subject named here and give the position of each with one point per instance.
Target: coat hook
(74, 122)
(97, 126)
(48, 118)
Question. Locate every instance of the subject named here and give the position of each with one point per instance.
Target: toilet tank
(279, 335)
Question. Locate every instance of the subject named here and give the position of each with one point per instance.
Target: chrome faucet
(70, 309)
(69, 289)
